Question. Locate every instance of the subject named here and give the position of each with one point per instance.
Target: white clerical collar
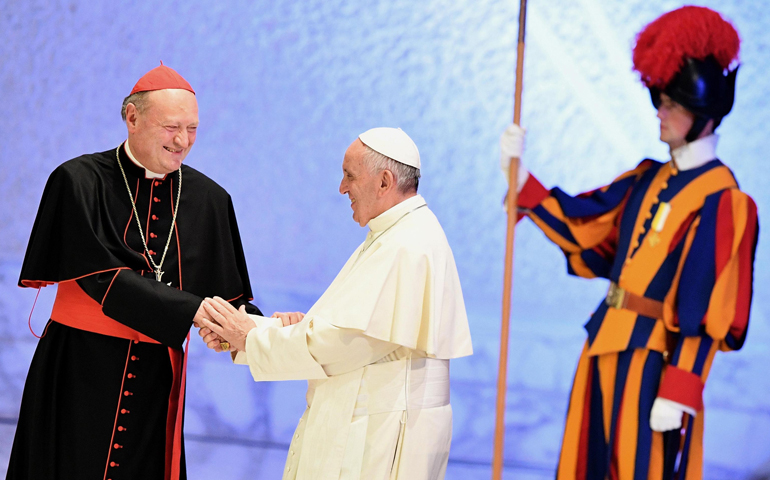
(147, 173)
(695, 154)
(387, 218)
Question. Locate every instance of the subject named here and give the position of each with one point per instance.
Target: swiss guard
(676, 239)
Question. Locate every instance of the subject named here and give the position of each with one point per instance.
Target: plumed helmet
(691, 55)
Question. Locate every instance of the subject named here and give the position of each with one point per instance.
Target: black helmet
(703, 88)
(687, 54)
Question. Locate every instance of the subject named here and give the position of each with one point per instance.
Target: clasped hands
(218, 321)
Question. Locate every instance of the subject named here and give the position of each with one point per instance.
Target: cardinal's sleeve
(153, 308)
(74, 240)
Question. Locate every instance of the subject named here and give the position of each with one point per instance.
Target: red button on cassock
(154, 217)
(112, 464)
(120, 429)
(123, 410)
(155, 199)
(130, 375)
(157, 183)
(133, 357)
(152, 235)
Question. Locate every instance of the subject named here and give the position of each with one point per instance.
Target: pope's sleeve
(342, 350)
(583, 226)
(274, 352)
(311, 349)
(714, 294)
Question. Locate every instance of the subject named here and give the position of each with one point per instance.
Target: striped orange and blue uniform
(698, 263)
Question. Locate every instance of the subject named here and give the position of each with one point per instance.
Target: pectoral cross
(158, 274)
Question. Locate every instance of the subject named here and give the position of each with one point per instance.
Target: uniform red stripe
(745, 273)
(582, 460)
(725, 232)
(614, 475)
(533, 193)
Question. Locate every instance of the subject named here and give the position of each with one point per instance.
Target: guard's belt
(620, 298)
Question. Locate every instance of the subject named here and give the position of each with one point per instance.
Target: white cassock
(375, 350)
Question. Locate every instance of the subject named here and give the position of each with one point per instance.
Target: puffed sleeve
(714, 294)
(585, 226)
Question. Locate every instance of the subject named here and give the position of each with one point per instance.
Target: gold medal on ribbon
(658, 222)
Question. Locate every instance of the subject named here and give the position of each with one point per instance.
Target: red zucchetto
(161, 78)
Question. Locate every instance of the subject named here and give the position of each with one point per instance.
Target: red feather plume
(694, 32)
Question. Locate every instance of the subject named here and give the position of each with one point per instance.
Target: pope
(376, 346)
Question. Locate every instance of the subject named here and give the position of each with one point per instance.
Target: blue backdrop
(283, 88)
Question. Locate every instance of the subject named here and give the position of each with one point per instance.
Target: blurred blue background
(283, 88)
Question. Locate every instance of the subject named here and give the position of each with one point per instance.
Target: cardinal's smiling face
(163, 131)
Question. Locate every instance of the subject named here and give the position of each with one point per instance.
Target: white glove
(512, 146)
(667, 415)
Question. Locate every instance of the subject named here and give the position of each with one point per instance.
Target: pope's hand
(511, 147)
(289, 318)
(212, 340)
(230, 324)
(667, 415)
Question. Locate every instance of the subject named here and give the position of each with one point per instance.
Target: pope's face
(359, 185)
(162, 134)
(675, 122)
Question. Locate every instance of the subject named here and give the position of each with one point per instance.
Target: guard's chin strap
(698, 125)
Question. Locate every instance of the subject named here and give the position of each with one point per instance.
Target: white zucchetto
(393, 143)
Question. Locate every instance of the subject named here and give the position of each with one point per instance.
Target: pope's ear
(387, 181)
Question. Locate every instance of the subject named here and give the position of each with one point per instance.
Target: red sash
(74, 308)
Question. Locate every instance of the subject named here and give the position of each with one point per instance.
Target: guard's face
(675, 122)
(359, 185)
(162, 134)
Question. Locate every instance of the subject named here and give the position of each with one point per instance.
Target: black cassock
(97, 406)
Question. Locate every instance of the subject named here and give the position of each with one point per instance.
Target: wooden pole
(512, 201)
